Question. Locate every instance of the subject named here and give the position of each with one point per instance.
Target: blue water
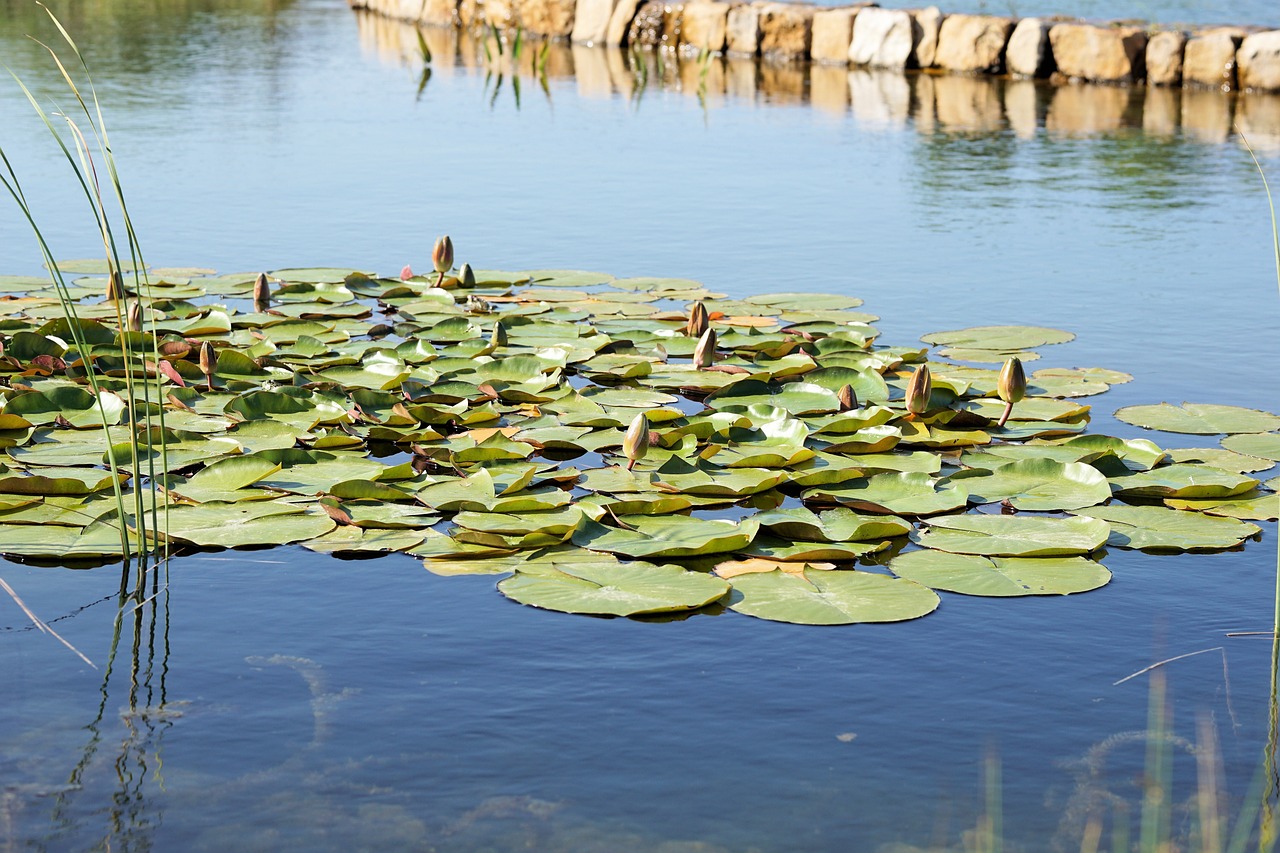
(439, 715)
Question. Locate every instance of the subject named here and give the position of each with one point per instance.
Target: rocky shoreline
(867, 36)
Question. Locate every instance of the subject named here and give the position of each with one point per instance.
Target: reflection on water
(954, 104)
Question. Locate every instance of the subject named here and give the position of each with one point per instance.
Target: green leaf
(1157, 528)
(909, 493)
(1182, 481)
(233, 525)
(830, 598)
(1038, 485)
(834, 525)
(670, 536)
(1000, 576)
(1199, 418)
(1266, 445)
(1013, 535)
(999, 337)
(608, 587)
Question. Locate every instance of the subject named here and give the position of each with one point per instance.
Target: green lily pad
(910, 493)
(671, 537)
(834, 525)
(1182, 481)
(969, 574)
(608, 587)
(1158, 528)
(1038, 485)
(1013, 535)
(232, 525)
(1199, 418)
(1266, 445)
(1254, 505)
(830, 598)
(1007, 338)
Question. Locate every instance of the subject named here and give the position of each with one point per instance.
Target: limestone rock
(1210, 59)
(973, 43)
(440, 13)
(786, 30)
(703, 25)
(925, 26)
(742, 30)
(1099, 54)
(882, 38)
(620, 21)
(832, 35)
(546, 18)
(1028, 53)
(591, 21)
(1258, 62)
(1164, 58)
(470, 13)
(656, 24)
(499, 13)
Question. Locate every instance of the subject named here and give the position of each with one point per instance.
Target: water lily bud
(442, 254)
(919, 390)
(699, 322)
(466, 275)
(848, 399)
(704, 355)
(208, 361)
(115, 286)
(499, 334)
(261, 293)
(406, 272)
(1012, 386)
(135, 316)
(636, 443)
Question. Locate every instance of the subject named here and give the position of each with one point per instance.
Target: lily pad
(671, 537)
(1013, 535)
(814, 597)
(611, 588)
(1000, 576)
(1199, 418)
(1038, 485)
(1157, 528)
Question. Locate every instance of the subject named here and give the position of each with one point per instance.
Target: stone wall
(864, 35)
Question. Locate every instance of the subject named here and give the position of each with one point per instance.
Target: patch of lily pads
(612, 447)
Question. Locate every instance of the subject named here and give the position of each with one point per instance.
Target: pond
(270, 698)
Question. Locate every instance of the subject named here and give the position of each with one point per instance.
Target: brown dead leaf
(733, 568)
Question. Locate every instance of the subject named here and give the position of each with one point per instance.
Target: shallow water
(326, 704)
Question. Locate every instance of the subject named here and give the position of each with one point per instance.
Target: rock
(440, 13)
(973, 43)
(742, 30)
(470, 13)
(1164, 58)
(546, 18)
(499, 13)
(703, 25)
(925, 25)
(832, 35)
(1210, 59)
(882, 38)
(1258, 62)
(591, 21)
(786, 30)
(1099, 54)
(620, 21)
(656, 24)
(1028, 53)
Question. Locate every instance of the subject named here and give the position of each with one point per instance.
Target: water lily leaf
(1221, 458)
(1199, 418)
(804, 301)
(1028, 409)
(1158, 528)
(227, 480)
(1000, 576)
(733, 568)
(1074, 381)
(834, 525)
(784, 550)
(798, 398)
(232, 525)
(677, 477)
(830, 598)
(1266, 445)
(1182, 481)
(67, 403)
(555, 522)
(99, 540)
(1038, 485)
(986, 356)
(351, 539)
(611, 588)
(999, 337)
(671, 536)
(1255, 505)
(909, 493)
(1013, 535)
(60, 481)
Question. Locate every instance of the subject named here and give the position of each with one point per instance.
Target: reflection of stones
(1091, 796)
(882, 38)
(1022, 108)
(1258, 62)
(1258, 117)
(829, 89)
(1161, 111)
(1085, 110)
(1206, 116)
(879, 98)
(1164, 58)
(1028, 54)
(1099, 54)
(1210, 59)
(973, 43)
(969, 104)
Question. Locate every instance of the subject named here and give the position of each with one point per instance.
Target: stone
(591, 21)
(546, 18)
(648, 27)
(925, 26)
(470, 13)
(499, 13)
(620, 22)
(742, 30)
(439, 13)
(1164, 58)
(1210, 59)
(786, 30)
(973, 43)
(1258, 62)
(1099, 54)
(1028, 53)
(882, 38)
(832, 35)
(703, 26)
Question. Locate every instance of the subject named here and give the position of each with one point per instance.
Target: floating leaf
(1000, 576)
(1157, 528)
(1199, 418)
(673, 536)
(608, 587)
(830, 598)
(1266, 445)
(1013, 535)
(1182, 481)
(910, 493)
(1038, 485)
(834, 525)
